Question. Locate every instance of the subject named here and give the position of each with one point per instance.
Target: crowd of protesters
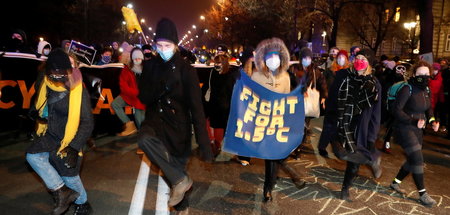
(358, 95)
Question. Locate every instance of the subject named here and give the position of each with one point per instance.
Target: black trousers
(350, 173)
(173, 167)
(328, 133)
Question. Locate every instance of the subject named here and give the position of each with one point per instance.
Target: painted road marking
(140, 190)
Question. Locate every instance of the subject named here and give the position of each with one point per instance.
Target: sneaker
(397, 188)
(387, 147)
(244, 163)
(426, 200)
(83, 209)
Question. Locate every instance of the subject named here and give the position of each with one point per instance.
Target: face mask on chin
(306, 62)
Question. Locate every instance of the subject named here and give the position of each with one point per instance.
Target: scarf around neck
(355, 94)
(73, 118)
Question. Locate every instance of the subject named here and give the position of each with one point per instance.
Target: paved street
(118, 182)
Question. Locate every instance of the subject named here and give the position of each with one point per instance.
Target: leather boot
(129, 129)
(295, 176)
(83, 209)
(63, 197)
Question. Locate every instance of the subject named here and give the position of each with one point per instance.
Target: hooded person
(18, 42)
(171, 92)
(44, 48)
(272, 62)
(128, 83)
(64, 122)
(65, 44)
(147, 49)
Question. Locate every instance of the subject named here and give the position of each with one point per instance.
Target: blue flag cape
(262, 123)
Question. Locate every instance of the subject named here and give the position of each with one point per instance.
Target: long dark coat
(171, 92)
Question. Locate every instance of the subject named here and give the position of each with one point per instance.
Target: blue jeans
(53, 181)
(118, 105)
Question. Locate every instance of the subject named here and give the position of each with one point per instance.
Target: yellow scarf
(73, 119)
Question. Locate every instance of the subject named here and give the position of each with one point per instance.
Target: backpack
(393, 91)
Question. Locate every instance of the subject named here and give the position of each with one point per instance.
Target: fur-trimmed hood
(270, 45)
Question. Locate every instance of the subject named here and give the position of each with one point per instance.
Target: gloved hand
(70, 161)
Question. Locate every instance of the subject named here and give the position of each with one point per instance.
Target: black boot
(63, 197)
(267, 194)
(296, 178)
(345, 194)
(270, 179)
(83, 209)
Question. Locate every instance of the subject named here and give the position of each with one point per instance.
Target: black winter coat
(57, 120)
(411, 105)
(171, 92)
(220, 100)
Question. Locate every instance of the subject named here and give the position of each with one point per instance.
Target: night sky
(184, 13)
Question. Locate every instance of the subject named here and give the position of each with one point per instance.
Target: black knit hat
(368, 54)
(147, 47)
(305, 52)
(58, 62)
(166, 29)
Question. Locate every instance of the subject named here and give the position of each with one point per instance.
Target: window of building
(397, 14)
(447, 43)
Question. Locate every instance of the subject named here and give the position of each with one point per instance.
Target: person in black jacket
(171, 92)
(412, 108)
(64, 123)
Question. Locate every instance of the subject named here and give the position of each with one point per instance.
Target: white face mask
(46, 52)
(137, 61)
(273, 62)
(341, 61)
(435, 72)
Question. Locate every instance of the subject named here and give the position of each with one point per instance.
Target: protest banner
(262, 123)
(83, 52)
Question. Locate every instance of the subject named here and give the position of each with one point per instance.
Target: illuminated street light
(192, 39)
(130, 5)
(196, 36)
(194, 27)
(150, 28)
(324, 34)
(41, 39)
(124, 23)
(154, 34)
(226, 18)
(206, 30)
(189, 32)
(202, 17)
(142, 20)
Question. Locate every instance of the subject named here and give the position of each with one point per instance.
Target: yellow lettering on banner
(107, 94)
(277, 121)
(262, 120)
(292, 101)
(265, 107)
(278, 107)
(249, 115)
(258, 135)
(4, 83)
(238, 132)
(280, 137)
(247, 136)
(25, 93)
(270, 131)
(245, 93)
(254, 104)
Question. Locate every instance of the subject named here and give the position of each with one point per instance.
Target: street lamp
(142, 20)
(189, 32)
(226, 18)
(202, 17)
(129, 5)
(324, 34)
(194, 27)
(409, 25)
(41, 39)
(150, 28)
(124, 23)
(206, 30)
